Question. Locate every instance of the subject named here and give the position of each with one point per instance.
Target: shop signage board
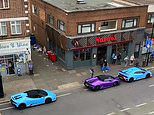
(12, 46)
(103, 40)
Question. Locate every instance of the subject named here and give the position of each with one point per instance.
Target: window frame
(49, 19)
(1, 34)
(15, 26)
(92, 27)
(106, 23)
(61, 24)
(35, 10)
(4, 4)
(134, 21)
(150, 18)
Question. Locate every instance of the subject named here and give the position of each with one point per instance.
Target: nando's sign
(107, 39)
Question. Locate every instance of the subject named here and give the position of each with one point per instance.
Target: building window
(3, 29)
(86, 28)
(4, 4)
(50, 20)
(82, 55)
(35, 10)
(108, 25)
(150, 18)
(16, 27)
(129, 23)
(61, 25)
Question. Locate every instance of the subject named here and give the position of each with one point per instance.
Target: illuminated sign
(108, 39)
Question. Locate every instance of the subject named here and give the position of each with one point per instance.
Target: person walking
(92, 72)
(114, 58)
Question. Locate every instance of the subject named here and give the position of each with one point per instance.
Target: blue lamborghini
(32, 98)
(134, 73)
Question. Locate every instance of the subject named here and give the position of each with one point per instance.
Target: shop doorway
(101, 54)
(7, 65)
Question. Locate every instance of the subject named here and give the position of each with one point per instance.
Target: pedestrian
(105, 67)
(44, 50)
(30, 66)
(119, 58)
(114, 58)
(132, 59)
(92, 72)
(126, 60)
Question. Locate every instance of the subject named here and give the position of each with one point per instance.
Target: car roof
(105, 76)
(133, 69)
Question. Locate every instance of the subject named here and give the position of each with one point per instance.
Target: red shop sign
(102, 40)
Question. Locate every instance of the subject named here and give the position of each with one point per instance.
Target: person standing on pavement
(92, 72)
(126, 60)
(119, 58)
(114, 58)
(132, 58)
(30, 66)
(105, 67)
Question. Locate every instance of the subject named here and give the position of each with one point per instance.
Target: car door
(107, 83)
(37, 100)
(139, 75)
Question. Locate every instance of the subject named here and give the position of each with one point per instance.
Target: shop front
(14, 57)
(90, 50)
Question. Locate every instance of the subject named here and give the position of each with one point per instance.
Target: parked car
(101, 82)
(32, 98)
(134, 73)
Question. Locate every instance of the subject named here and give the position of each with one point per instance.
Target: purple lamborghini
(101, 82)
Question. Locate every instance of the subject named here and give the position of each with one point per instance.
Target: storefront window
(82, 55)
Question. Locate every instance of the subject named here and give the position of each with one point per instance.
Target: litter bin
(52, 56)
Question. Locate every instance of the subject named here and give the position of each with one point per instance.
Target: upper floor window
(4, 4)
(150, 18)
(129, 23)
(3, 29)
(35, 10)
(15, 27)
(86, 28)
(108, 25)
(50, 20)
(61, 25)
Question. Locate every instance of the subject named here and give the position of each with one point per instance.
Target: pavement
(52, 76)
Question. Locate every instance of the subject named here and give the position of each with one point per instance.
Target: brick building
(14, 41)
(81, 33)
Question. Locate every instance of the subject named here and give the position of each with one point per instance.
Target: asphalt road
(135, 98)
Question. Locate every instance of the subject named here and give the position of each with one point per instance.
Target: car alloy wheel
(97, 88)
(131, 79)
(116, 83)
(22, 106)
(148, 75)
(48, 100)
